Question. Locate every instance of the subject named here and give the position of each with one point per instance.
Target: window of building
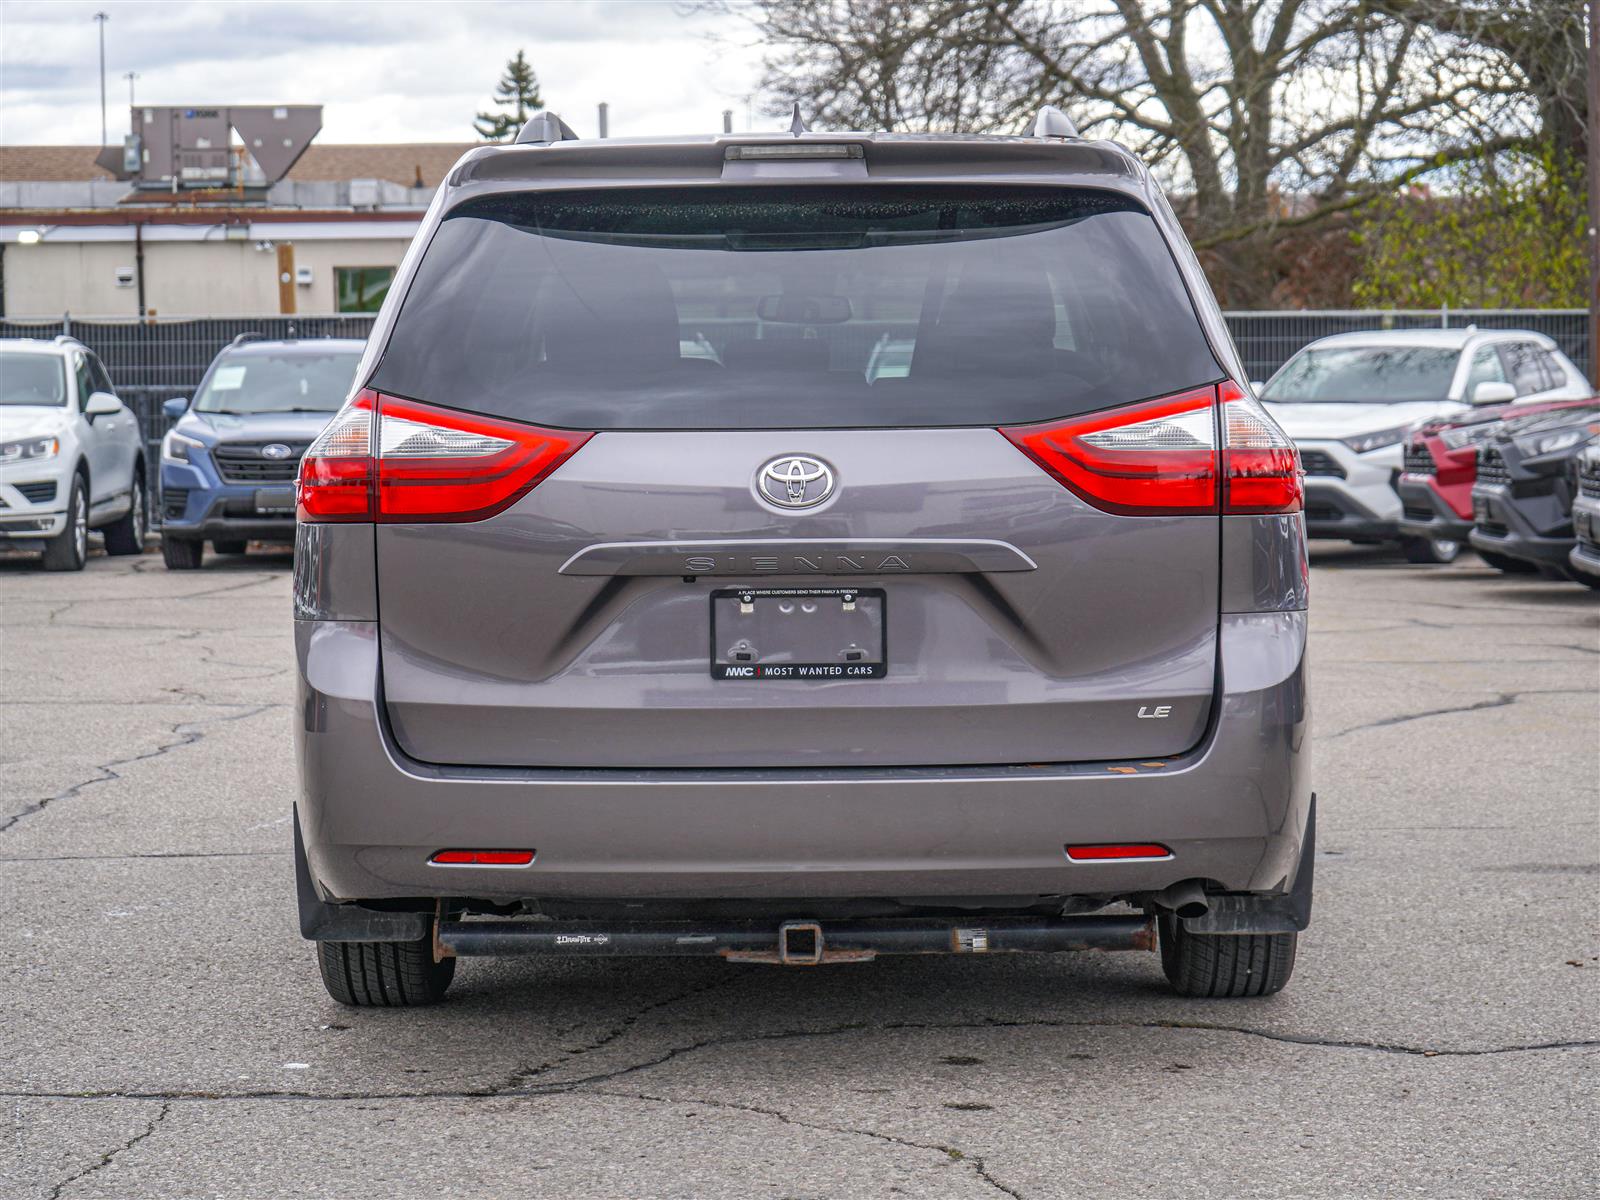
(361, 289)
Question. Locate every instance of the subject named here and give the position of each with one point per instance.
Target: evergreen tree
(518, 89)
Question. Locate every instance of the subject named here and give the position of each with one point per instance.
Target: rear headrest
(999, 316)
(604, 321)
(776, 354)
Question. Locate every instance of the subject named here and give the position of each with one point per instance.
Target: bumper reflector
(1134, 850)
(482, 858)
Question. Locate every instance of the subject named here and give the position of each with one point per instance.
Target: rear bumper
(1233, 810)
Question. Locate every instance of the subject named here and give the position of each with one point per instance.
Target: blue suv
(228, 466)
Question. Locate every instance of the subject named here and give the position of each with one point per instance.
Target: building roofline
(240, 215)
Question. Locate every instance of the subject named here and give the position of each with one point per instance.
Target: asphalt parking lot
(163, 1031)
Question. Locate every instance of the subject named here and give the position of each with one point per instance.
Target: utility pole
(605, 119)
(727, 120)
(1593, 139)
(100, 19)
(130, 77)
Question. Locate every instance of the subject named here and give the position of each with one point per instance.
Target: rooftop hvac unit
(177, 149)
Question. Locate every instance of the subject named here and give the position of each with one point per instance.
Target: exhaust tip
(1186, 898)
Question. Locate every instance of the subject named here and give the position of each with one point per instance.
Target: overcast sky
(384, 72)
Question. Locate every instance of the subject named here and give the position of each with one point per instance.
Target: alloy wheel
(80, 526)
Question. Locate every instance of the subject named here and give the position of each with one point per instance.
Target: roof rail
(1053, 123)
(543, 128)
(251, 336)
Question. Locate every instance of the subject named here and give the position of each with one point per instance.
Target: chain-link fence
(154, 361)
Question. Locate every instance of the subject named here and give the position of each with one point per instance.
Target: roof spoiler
(543, 128)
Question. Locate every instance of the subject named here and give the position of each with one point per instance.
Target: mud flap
(1288, 913)
(324, 922)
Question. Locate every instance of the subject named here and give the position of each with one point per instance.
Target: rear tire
(230, 547)
(384, 974)
(182, 554)
(1511, 566)
(126, 534)
(69, 549)
(1430, 550)
(1225, 964)
(1583, 577)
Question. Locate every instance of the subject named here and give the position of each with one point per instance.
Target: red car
(1440, 467)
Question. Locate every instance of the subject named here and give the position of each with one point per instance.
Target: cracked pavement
(163, 1032)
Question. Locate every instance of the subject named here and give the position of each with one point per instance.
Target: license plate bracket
(276, 501)
(815, 633)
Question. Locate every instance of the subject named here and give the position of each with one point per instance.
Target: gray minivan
(606, 649)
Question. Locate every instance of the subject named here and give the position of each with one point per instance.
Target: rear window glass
(772, 308)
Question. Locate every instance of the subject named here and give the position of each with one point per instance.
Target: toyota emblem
(795, 481)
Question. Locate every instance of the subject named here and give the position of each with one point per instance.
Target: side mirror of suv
(176, 407)
(1493, 391)
(102, 404)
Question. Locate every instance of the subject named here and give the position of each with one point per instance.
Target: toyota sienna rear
(641, 609)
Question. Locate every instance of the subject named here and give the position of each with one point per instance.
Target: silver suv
(609, 648)
(71, 455)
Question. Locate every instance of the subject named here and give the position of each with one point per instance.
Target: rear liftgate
(793, 943)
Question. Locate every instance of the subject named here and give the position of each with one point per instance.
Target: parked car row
(1391, 428)
(72, 454)
(1440, 439)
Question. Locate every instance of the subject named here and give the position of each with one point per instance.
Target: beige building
(323, 240)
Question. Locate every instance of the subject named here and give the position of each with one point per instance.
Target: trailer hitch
(794, 943)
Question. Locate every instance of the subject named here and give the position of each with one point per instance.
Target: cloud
(384, 72)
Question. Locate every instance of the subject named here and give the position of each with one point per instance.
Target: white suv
(71, 456)
(1349, 401)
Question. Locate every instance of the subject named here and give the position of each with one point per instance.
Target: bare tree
(1266, 114)
(1543, 40)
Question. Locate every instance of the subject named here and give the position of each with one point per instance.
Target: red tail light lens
(1157, 457)
(1161, 457)
(336, 471)
(399, 461)
(1261, 468)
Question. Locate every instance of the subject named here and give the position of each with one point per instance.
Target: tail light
(1161, 457)
(1261, 471)
(398, 461)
